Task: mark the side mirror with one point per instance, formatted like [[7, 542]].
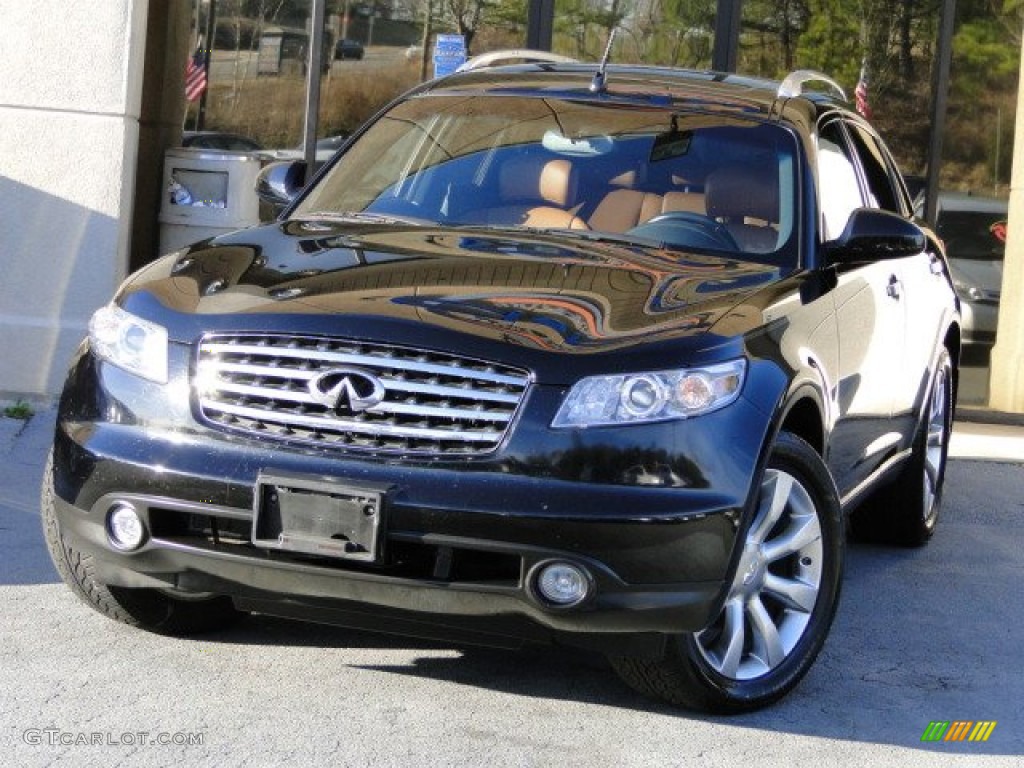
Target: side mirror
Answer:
[[279, 183], [874, 235]]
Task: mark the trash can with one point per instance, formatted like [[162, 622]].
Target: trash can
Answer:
[[206, 193]]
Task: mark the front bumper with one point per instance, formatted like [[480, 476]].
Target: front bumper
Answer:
[[980, 319], [462, 541]]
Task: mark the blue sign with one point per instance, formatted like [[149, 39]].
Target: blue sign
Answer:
[[449, 54]]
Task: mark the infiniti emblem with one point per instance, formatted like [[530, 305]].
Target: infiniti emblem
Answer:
[[346, 388]]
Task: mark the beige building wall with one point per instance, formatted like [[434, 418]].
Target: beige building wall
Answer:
[[69, 135], [1006, 383]]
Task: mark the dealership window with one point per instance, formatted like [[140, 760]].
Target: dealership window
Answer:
[[256, 87]]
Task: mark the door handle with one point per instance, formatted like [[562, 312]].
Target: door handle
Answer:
[[892, 290]]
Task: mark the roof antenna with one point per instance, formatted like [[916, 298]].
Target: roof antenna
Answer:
[[597, 84]]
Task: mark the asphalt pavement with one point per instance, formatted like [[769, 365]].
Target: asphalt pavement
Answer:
[[922, 635]]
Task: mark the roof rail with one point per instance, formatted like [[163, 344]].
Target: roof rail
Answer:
[[527, 55], [793, 85]]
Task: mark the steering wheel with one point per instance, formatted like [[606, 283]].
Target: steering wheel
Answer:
[[688, 228]]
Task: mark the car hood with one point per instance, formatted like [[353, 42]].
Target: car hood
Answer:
[[552, 292]]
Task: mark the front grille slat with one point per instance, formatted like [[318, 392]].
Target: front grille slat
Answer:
[[270, 393], [432, 403], [451, 392], [259, 370], [455, 414], [366, 361], [302, 377], [368, 428]]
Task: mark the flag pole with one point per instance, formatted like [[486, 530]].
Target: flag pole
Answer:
[[211, 22], [940, 95], [195, 80], [860, 93], [197, 41]]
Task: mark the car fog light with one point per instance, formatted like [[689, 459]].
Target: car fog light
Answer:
[[124, 527], [563, 584]]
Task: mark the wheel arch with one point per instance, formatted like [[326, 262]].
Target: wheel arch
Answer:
[[800, 410], [803, 416], [952, 342]]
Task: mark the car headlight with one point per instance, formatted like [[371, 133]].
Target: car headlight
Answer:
[[633, 398], [968, 291], [129, 342]]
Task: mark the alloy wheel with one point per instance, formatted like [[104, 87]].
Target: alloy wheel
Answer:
[[935, 444], [775, 587]]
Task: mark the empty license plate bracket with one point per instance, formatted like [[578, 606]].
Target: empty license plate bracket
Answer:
[[319, 516]]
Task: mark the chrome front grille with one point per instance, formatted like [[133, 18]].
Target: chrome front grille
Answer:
[[355, 395]]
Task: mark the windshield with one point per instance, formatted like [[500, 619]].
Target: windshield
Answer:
[[682, 180]]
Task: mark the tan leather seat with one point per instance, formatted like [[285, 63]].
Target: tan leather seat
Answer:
[[536, 180], [546, 217], [746, 201], [690, 202], [533, 194], [623, 209]]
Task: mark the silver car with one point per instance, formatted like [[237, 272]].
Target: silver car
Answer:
[[974, 230]]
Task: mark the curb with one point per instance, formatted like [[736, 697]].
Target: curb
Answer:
[[980, 415]]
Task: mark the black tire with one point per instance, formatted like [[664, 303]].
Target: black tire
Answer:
[[780, 605], [907, 511], [149, 609]]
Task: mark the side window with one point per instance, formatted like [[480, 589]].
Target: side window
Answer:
[[838, 188], [877, 172]]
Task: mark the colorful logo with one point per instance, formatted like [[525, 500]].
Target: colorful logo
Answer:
[[958, 730], [998, 231]]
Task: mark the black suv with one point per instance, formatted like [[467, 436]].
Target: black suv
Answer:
[[549, 353]]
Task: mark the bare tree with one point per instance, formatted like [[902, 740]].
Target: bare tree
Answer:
[[468, 15]]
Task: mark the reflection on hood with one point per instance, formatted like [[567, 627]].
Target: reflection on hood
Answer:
[[536, 290]]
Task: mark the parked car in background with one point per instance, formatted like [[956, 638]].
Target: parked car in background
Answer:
[[974, 231], [231, 142], [325, 149], [916, 187], [327, 146], [603, 356], [346, 48]]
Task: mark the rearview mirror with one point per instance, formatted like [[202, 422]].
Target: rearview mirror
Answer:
[[671, 144], [279, 183], [873, 235]]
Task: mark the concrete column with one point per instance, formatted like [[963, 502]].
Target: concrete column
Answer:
[[69, 134], [1006, 381], [727, 35], [540, 24], [168, 46]]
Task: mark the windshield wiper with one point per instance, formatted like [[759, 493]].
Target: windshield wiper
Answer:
[[377, 218]]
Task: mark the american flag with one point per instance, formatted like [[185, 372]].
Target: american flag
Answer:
[[195, 74], [861, 93]]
